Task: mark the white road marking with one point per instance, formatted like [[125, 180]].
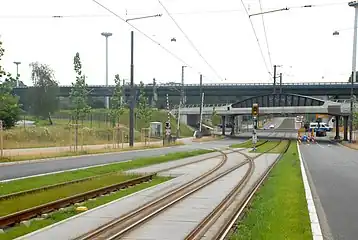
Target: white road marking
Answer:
[[315, 225]]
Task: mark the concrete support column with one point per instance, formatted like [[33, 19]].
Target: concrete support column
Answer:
[[337, 137], [232, 122], [345, 135], [223, 122]]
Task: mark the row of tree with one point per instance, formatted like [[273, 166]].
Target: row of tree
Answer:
[[42, 100]]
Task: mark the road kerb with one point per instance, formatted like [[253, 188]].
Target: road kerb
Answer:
[[315, 224]]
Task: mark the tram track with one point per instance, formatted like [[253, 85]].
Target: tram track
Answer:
[[27, 214], [210, 219], [135, 219]]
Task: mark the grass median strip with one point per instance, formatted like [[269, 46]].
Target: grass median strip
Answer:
[[35, 199], [36, 182], [279, 209], [246, 144], [21, 229]]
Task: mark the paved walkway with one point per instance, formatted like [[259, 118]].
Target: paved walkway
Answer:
[[334, 181], [51, 150]]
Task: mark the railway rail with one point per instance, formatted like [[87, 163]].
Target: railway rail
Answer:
[[210, 219], [127, 223], [11, 219]]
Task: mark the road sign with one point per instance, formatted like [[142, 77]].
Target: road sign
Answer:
[[167, 132]]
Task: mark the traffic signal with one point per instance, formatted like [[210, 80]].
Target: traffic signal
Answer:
[[255, 109], [255, 122], [167, 125]]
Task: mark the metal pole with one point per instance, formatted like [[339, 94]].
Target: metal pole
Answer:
[[1, 139], [354, 75], [132, 101], [280, 82], [107, 97], [201, 103], [182, 85], [201, 112], [274, 79]]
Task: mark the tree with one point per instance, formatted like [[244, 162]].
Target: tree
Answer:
[[9, 104], [117, 107], [43, 97], [79, 92], [215, 119], [144, 110]]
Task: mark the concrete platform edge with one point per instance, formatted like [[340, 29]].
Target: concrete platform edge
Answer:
[[315, 224], [81, 214]]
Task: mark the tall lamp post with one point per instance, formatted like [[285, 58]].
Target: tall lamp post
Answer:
[[107, 34], [354, 62], [17, 73]]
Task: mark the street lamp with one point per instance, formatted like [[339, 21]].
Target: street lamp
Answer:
[[354, 62], [17, 73], [107, 34]]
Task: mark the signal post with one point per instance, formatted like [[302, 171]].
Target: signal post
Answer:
[[255, 116]]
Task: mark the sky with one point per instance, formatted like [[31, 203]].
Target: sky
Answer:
[[222, 45]]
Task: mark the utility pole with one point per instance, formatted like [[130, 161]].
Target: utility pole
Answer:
[[274, 79], [132, 96], [167, 124], [155, 94], [354, 64], [181, 101], [201, 102], [201, 112], [107, 34], [17, 73], [280, 83]]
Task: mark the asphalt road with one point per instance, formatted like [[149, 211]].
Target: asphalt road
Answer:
[[334, 173], [29, 169], [287, 123]]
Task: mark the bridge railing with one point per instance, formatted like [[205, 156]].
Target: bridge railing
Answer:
[[224, 84]]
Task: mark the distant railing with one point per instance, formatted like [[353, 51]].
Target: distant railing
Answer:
[[223, 85]]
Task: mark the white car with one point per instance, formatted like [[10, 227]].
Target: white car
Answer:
[[271, 126]]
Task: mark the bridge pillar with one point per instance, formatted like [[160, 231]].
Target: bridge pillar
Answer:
[[337, 137], [345, 135], [223, 123]]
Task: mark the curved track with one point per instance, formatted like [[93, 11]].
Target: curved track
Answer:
[[125, 224]]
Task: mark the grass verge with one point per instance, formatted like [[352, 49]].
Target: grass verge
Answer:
[[279, 208], [246, 144], [80, 153], [21, 229], [36, 182], [208, 139], [27, 201]]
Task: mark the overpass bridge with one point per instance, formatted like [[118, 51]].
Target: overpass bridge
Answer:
[[270, 104], [218, 93]]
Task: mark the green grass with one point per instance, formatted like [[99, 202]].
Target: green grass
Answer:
[[246, 144], [35, 199], [280, 148], [21, 229], [36, 182], [97, 129], [279, 209]]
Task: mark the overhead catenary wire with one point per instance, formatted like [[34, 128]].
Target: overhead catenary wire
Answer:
[[257, 39], [191, 42], [267, 43], [144, 34]]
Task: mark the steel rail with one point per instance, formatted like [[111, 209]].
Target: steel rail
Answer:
[[212, 217], [40, 189], [225, 229], [26, 214], [130, 217]]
